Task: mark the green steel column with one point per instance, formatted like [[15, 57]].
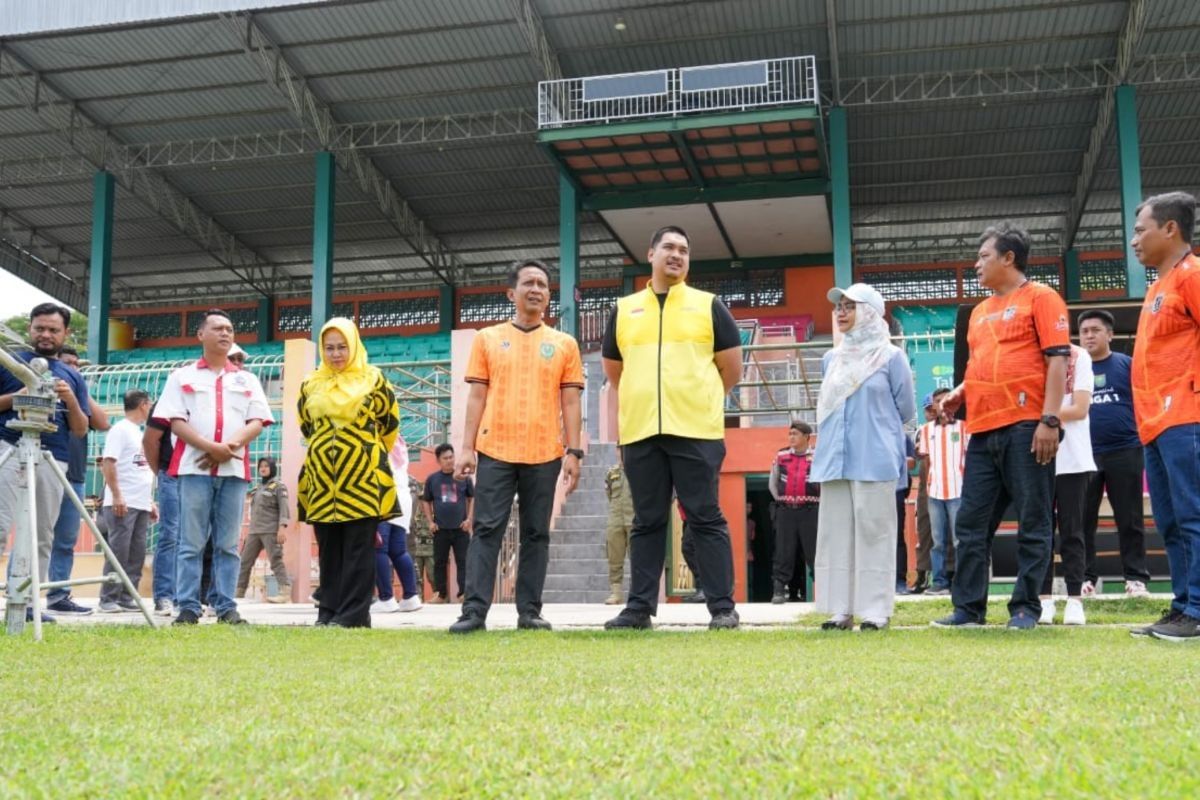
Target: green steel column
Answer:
[[1131, 184], [627, 284], [1074, 281], [445, 308], [323, 221], [568, 260], [266, 330], [839, 171], [100, 267]]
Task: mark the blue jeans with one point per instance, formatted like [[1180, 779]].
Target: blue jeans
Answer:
[[942, 514], [1001, 469], [391, 550], [62, 552], [1173, 472], [167, 544], [205, 501]]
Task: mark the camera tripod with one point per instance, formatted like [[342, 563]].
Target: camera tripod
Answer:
[[35, 410]]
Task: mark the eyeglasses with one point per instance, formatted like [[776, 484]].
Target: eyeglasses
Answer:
[[844, 308]]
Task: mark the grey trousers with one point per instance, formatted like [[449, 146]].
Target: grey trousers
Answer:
[[254, 544], [126, 537], [49, 500], [855, 570]]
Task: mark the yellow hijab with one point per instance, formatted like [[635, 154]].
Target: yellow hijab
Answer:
[[339, 395]]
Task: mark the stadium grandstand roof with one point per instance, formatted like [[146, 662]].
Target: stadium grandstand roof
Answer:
[[959, 111]]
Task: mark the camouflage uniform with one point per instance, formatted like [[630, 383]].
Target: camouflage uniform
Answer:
[[620, 524], [420, 538]]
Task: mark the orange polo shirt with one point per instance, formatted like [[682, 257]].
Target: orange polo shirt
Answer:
[[525, 372], [1166, 353], [1008, 339]]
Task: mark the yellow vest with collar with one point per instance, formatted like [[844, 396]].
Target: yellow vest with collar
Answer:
[[669, 382]]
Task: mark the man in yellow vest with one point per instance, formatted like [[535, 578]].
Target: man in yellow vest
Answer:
[[672, 353]]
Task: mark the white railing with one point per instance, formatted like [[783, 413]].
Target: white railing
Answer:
[[676, 92]]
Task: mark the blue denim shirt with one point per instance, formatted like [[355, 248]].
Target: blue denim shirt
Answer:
[[864, 440]]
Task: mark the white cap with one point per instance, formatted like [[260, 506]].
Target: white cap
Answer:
[[859, 293], [235, 350]]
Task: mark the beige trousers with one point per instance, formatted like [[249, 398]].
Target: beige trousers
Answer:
[[855, 569]]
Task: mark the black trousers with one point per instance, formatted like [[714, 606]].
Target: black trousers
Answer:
[[496, 484], [347, 559], [901, 545], [445, 541], [795, 532], [658, 467], [1120, 473], [1070, 500]]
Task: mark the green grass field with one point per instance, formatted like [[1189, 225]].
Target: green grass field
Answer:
[[276, 712]]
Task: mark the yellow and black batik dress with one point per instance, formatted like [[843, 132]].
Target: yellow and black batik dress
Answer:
[[346, 475]]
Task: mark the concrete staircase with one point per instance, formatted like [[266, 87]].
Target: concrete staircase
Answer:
[[578, 570]]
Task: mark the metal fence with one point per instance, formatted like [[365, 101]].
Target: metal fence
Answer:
[[738, 86]]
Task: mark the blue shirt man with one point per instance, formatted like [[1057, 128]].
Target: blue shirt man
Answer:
[[48, 326], [1118, 454]]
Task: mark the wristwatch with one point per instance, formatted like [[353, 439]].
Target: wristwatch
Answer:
[[575, 451], [1051, 421]]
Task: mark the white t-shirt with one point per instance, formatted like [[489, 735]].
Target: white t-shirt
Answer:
[[123, 445], [1075, 450]]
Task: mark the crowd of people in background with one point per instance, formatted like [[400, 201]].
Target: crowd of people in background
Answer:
[[1038, 431]]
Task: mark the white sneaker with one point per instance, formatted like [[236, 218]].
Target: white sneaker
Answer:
[[1136, 589], [1073, 613], [109, 607], [1089, 589], [389, 606], [164, 608], [411, 603], [1049, 609], [208, 611]]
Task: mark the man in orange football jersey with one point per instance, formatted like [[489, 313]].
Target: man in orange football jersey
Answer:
[[1166, 399], [1019, 340]]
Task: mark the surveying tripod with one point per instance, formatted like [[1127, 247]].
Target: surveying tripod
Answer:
[[35, 409]]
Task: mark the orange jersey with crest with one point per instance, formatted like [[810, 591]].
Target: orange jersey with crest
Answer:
[[1008, 339], [1166, 353]]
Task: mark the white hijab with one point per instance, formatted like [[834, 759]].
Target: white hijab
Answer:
[[865, 349]]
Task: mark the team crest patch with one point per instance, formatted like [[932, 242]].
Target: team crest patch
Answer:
[[504, 345], [1062, 323], [955, 436], [239, 379], [1099, 381], [1009, 313], [1156, 306], [547, 351]]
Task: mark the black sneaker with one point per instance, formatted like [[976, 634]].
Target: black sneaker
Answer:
[[187, 617], [68, 607], [231, 617], [46, 618], [1169, 616], [629, 620], [1183, 629], [873, 626], [724, 621], [1021, 622], [532, 622], [958, 619], [696, 597], [129, 605], [469, 623], [779, 596], [844, 624]]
